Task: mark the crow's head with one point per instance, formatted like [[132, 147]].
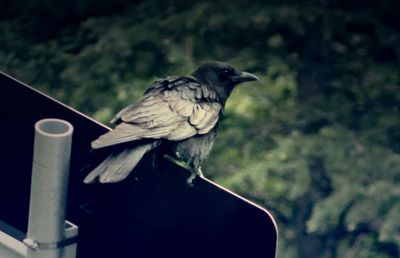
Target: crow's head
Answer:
[[221, 76]]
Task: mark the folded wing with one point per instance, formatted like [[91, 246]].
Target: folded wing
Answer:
[[175, 108]]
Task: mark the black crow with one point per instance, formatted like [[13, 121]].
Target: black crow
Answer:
[[177, 113]]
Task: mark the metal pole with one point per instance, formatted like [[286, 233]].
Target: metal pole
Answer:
[[50, 171]]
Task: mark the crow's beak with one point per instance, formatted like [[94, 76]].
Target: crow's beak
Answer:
[[244, 77]]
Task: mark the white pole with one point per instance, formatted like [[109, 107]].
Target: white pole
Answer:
[[49, 184]]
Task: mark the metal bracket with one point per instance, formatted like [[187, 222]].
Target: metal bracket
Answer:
[[49, 246]]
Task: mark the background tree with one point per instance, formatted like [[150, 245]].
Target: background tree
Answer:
[[317, 141]]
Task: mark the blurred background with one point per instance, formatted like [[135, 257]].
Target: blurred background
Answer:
[[316, 141]]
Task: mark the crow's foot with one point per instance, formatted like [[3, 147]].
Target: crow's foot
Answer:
[[194, 172]]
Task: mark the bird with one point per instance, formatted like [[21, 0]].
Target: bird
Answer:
[[177, 114]]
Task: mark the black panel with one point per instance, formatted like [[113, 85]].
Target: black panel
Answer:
[[152, 213]]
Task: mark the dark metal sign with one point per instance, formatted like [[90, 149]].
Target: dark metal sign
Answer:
[[153, 213]]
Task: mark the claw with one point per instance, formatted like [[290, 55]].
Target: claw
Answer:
[[194, 172], [179, 162]]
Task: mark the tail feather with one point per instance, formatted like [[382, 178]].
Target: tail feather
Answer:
[[118, 165]]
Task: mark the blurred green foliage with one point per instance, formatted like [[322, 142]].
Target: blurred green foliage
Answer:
[[317, 141]]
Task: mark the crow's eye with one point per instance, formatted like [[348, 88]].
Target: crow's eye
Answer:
[[225, 73]]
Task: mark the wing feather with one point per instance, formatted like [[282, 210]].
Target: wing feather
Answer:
[[210, 120], [183, 131], [175, 109]]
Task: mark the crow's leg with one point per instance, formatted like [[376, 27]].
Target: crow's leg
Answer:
[[194, 173]]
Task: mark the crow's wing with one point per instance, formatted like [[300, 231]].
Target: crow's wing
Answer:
[[174, 108]]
